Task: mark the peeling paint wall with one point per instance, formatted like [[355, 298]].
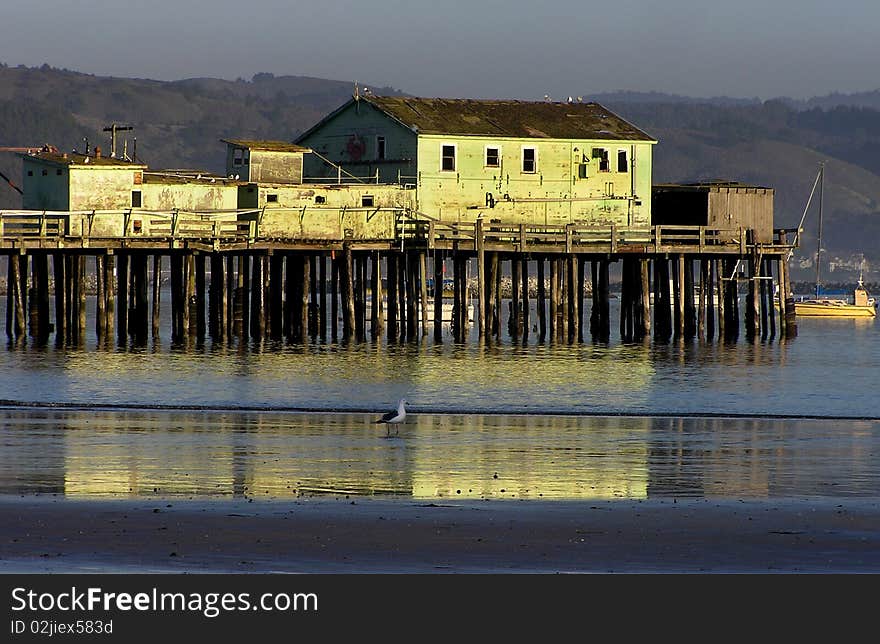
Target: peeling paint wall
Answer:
[[359, 211], [535, 180], [189, 196]]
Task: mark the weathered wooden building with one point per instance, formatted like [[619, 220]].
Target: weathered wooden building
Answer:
[[507, 161], [70, 181]]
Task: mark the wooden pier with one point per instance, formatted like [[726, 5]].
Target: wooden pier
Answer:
[[230, 280]]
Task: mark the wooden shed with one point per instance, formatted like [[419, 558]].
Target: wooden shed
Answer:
[[719, 204]]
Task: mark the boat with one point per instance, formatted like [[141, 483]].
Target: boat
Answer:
[[859, 305]]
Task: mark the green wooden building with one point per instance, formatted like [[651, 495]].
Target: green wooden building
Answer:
[[503, 160]]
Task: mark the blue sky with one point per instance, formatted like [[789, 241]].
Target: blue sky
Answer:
[[477, 48]]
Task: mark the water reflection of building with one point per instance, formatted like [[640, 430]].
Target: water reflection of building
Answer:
[[285, 455]]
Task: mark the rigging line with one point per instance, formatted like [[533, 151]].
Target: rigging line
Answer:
[[806, 208], [338, 167]]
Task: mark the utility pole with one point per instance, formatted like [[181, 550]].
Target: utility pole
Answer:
[[113, 128]]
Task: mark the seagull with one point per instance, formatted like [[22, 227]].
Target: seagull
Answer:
[[394, 417]]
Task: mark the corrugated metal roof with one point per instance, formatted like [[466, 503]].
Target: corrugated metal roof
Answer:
[[507, 118], [269, 146]]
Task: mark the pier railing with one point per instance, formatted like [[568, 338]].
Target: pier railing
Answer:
[[369, 227]]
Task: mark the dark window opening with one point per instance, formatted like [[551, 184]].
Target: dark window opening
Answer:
[[602, 155], [58, 172], [367, 201], [272, 198], [380, 147], [582, 170], [528, 160], [320, 199], [448, 158], [45, 172], [622, 165], [237, 156], [30, 173], [492, 158], [135, 198]]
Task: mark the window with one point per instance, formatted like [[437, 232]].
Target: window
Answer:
[[237, 156], [582, 170], [135, 198], [493, 157], [602, 155], [58, 172], [447, 158], [30, 173], [380, 147], [622, 165], [271, 198], [45, 172], [367, 201], [529, 160], [320, 199]]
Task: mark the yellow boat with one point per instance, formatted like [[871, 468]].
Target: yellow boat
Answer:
[[862, 306]]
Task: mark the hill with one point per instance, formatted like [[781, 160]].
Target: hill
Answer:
[[777, 143]]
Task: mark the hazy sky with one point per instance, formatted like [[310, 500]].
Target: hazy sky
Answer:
[[467, 48]]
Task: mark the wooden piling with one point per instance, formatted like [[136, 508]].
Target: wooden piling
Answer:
[[122, 264], [19, 299], [347, 276], [157, 296], [524, 294], [110, 292], [541, 296], [438, 297], [492, 296], [513, 322], [554, 300], [392, 317]]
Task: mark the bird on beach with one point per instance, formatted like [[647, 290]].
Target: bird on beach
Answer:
[[394, 417]]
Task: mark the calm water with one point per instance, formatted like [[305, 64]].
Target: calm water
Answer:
[[798, 418]]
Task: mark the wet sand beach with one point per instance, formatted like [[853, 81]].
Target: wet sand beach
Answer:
[[47, 533]]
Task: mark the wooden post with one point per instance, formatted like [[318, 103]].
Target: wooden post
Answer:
[[200, 281], [701, 308], [110, 289], [348, 293], [722, 296], [438, 296], [392, 317], [305, 298], [322, 296], [678, 288], [81, 297], [456, 297], [258, 297], [513, 320], [480, 241], [645, 277], [554, 300], [574, 300], [41, 274], [492, 296], [22, 293], [524, 275], [402, 309], [541, 295], [14, 285], [223, 302], [710, 299], [412, 317], [157, 295], [58, 266], [190, 314], [229, 296], [314, 303], [100, 297], [10, 298], [689, 325], [122, 290], [423, 290]]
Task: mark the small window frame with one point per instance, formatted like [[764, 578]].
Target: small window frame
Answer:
[[368, 201], [444, 156], [622, 160], [529, 166], [272, 197], [497, 155], [381, 148], [137, 199]]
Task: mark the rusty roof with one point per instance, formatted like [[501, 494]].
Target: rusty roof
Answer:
[[508, 118], [73, 158], [269, 146]]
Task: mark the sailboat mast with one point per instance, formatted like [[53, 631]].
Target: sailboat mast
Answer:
[[819, 235]]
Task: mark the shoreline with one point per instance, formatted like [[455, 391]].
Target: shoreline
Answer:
[[54, 534]]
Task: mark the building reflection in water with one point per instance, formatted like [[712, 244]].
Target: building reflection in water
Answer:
[[96, 453]]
